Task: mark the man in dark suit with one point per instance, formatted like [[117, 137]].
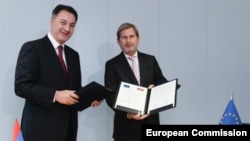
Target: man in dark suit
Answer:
[[127, 126], [49, 113]]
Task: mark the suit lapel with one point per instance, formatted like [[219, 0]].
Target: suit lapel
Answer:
[[54, 57], [142, 67]]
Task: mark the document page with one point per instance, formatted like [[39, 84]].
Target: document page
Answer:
[[163, 95], [131, 96]]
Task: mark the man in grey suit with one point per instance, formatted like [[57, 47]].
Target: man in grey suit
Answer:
[[49, 112], [127, 126]]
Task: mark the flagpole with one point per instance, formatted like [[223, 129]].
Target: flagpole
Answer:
[[232, 96]]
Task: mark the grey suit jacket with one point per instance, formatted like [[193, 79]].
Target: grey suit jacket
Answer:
[[38, 75]]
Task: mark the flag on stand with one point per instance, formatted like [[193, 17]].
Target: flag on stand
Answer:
[[17, 133], [231, 115]]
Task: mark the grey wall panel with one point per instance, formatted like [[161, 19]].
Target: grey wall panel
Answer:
[[228, 56], [182, 41]]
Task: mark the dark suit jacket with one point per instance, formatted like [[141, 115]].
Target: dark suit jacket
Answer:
[[38, 75], [117, 69]]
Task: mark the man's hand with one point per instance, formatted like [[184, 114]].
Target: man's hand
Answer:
[[66, 97], [136, 116], [96, 103]]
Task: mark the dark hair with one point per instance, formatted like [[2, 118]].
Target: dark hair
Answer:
[[61, 7], [126, 26]]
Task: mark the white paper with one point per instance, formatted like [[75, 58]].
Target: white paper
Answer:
[[162, 95], [132, 96]]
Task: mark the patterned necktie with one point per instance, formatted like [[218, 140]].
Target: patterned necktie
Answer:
[[60, 55], [135, 69]]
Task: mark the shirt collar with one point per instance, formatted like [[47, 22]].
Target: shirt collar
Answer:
[[53, 41], [135, 55]]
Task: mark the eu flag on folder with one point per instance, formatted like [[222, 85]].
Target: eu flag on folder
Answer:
[[230, 115]]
